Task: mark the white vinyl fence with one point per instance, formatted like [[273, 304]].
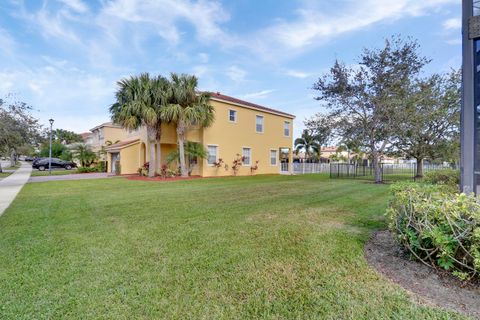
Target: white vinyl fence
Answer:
[[303, 168]]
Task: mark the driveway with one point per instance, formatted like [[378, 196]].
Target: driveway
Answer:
[[80, 176], [11, 185]]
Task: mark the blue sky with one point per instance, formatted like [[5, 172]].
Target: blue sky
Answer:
[[64, 56]]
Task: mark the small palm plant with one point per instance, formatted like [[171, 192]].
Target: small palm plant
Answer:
[[84, 154], [193, 150], [186, 107]]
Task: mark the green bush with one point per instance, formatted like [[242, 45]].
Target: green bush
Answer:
[[118, 169], [87, 169], [101, 166], [438, 227], [448, 177]]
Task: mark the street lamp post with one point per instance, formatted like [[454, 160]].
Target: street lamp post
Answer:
[[50, 150]]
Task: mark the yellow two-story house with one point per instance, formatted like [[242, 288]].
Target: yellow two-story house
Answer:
[[260, 136]]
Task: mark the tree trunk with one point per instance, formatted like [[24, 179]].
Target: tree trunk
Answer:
[[13, 159], [181, 148], [419, 173], [152, 139], [158, 158], [377, 168]]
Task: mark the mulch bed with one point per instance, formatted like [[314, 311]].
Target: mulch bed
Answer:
[[429, 285], [160, 179]]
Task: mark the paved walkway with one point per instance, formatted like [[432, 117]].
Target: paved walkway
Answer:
[[79, 176], [11, 185]]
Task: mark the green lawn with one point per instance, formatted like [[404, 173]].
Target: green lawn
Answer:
[[61, 172], [4, 174], [270, 247]]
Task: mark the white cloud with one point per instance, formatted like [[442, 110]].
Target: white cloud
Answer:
[[236, 73], [315, 24], [163, 15], [297, 74], [452, 24], [76, 5], [258, 95]]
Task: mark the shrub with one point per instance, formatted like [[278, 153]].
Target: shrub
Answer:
[[448, 177], [101, 166], [87, 169], [438, 228]]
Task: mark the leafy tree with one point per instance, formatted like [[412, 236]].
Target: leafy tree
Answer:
[[193, 151], [429, 127], [140, 100], [364, 100], [17, 127], [308, 143], [59, 150], [84, 154], [186, 107], [65, 136]]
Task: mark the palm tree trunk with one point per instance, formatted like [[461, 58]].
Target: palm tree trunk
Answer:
[[152, 139], [158, 158], [181, 148]]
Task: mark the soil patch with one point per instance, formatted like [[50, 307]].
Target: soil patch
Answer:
[[430, 286]]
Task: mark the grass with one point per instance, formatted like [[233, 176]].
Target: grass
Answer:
[[4, 174], [269, 247], [61, 172]]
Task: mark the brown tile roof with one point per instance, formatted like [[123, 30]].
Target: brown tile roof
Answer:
[[122, 144], [219, 96]]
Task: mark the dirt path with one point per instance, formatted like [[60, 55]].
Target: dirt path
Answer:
[[428, 285]]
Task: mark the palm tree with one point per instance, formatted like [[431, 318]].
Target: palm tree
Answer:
[[186, 107], [309, 143], [139, 102]]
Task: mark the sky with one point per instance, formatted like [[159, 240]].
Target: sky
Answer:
[[64, 57]]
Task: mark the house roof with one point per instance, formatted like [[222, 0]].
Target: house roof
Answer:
[[221, 97], [106, 124], [329, 149], [85, 135], [121, 144]]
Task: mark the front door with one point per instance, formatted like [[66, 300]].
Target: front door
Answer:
[[115, 158], [284, 160]]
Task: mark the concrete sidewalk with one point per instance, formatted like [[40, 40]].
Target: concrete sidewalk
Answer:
[[11, 185]]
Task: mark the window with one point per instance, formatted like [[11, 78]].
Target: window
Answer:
[[286, 129], [259, 124], [232, 115], [212, 154], [273, 157], [246, 154]]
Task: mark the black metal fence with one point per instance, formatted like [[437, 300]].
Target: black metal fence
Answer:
[[389, 172]]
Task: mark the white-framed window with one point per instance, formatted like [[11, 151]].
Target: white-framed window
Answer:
[[247, 156], [286, 129], [212, 154], [259, 124], [232, 115], [273, 157]]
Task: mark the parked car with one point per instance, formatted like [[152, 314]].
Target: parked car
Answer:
[[28, 158], [42, 164]]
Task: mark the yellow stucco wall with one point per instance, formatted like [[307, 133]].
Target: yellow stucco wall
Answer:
[[231, 137], [130, 159]]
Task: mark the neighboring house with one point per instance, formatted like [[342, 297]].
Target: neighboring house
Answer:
[[104, 135], [240, 128]]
